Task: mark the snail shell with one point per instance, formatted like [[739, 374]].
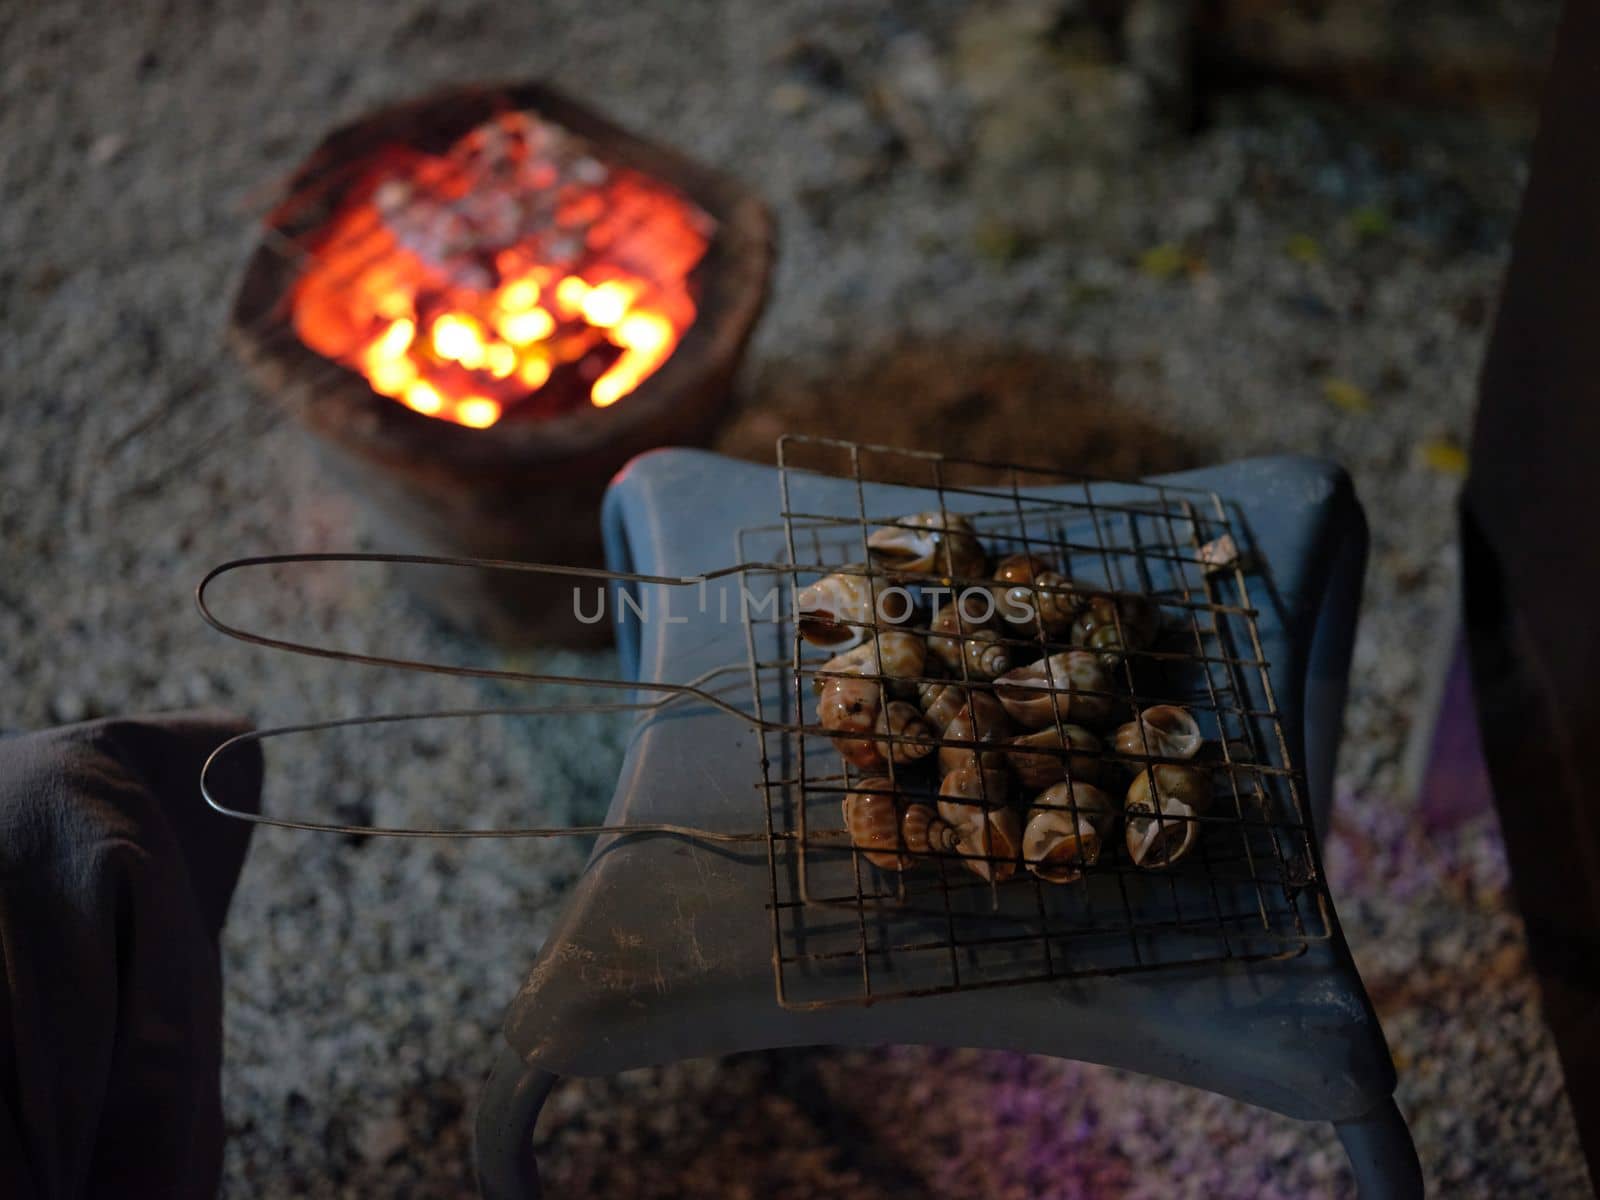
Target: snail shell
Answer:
[[1042, 758], [872, 819], [1185, 793], [941, 701], [1019, 568], [1161, 731], [967, 648], [1036, 595], [1096, 626], [924, 831], [1072, 685], [838, 610], [1066, 828], [980, 719], [896, 657], [904, 719], [988, 834], [929, 543], [850, 707]]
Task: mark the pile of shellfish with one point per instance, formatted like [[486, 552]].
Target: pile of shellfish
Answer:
[[978, 703]]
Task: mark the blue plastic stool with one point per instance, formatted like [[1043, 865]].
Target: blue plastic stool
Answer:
[[665, 949]]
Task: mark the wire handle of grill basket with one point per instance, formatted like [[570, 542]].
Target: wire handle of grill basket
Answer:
[[694, 689]]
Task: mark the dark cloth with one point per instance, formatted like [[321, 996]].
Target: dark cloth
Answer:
[[114, 881], [1531, 558]]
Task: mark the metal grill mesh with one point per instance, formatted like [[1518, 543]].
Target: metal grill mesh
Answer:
[[845, 932]]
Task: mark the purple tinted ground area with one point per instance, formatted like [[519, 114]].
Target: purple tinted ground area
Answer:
[[1455, 787]]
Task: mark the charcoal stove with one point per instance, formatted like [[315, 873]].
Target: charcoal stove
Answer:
[[723, 909], [479, 305]]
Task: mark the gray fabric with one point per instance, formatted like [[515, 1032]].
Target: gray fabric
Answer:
[[114, 881]]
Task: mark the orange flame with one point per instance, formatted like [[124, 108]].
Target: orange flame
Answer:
[[472, 336]]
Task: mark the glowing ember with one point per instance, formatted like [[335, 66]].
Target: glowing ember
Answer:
[[506, 277]]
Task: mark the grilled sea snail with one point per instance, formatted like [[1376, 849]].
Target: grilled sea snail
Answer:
[[1035, 594], [924, 831], [1065, 830], [967, 649], [988, 834], [941, 700], [894, 656], [1042, 758], [929, 543], [1070, 686], [980, 719], [1185, 793], [850, 708], [902, 719], [1111, 625], [872, 819], [838, 610], [1161, 731]]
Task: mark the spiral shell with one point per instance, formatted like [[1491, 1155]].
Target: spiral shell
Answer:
[[967, 648], [941, 701], [872, 819], [1161, 731], [1065, 831], [1185, 793], [838, 610], [904, 719], [988, 835], [980, 719], [850, 707], [924, 831], [929, 543], [1097, 625], [897, 657], [1041, 759], [1035, 594], [1070, 686]]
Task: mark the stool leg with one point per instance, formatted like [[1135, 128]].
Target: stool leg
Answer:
[[1382, 1155], [508, 1108]]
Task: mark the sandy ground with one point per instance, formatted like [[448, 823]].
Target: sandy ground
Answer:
[[1290, 277]]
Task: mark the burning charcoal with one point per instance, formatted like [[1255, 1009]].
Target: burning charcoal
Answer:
[[1065, 830], [475, 237]]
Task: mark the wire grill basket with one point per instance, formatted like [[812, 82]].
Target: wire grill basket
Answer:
[[846, 932]]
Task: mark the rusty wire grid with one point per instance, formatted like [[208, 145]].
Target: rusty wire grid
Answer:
[[847, 932]]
